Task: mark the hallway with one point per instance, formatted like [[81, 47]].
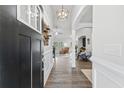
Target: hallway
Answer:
[[63, 76], [32, 35]]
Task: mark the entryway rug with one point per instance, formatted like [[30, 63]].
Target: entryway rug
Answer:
[[87, 73]]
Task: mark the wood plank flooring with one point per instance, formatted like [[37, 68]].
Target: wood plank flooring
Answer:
[[63, 76]]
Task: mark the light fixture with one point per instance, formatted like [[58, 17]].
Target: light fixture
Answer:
[[56, 33], [62, 14]]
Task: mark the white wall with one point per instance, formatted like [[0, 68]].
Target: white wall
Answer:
[[67, 44], [108, 46], [85, 32], [48, 59], [48, 17]]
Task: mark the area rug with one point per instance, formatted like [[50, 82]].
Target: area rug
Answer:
[[87, 73]]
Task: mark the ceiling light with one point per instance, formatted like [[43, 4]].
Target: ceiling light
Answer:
[[62, 14], [56, 33]]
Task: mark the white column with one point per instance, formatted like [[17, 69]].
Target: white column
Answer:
[[73, 49]]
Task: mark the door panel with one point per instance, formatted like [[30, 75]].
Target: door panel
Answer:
[[36, 63], [25, 61]]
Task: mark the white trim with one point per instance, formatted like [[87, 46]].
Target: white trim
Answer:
[[83, 25], [93, 76], [48, 73], [117, 47], [45, 52], [108, 77], [41, 16], [48, 64], [36, 17], [107, 64], [78, 14], [28, 24]]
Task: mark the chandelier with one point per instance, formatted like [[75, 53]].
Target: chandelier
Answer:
[[62, 14]]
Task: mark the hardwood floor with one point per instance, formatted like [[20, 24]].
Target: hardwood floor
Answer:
[[63, 76]]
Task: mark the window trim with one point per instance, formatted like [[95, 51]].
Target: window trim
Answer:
[[29, 24]]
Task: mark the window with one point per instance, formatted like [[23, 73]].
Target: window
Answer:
[[24, 13], [38, 18], [30, 15]]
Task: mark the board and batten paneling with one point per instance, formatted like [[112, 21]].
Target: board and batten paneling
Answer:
[[48, 60]]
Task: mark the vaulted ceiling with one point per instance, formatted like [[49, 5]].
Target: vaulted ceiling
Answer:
[[87, 16], [64, 28]]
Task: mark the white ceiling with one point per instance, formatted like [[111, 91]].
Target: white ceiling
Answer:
[[87, 16], [64, 28]]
